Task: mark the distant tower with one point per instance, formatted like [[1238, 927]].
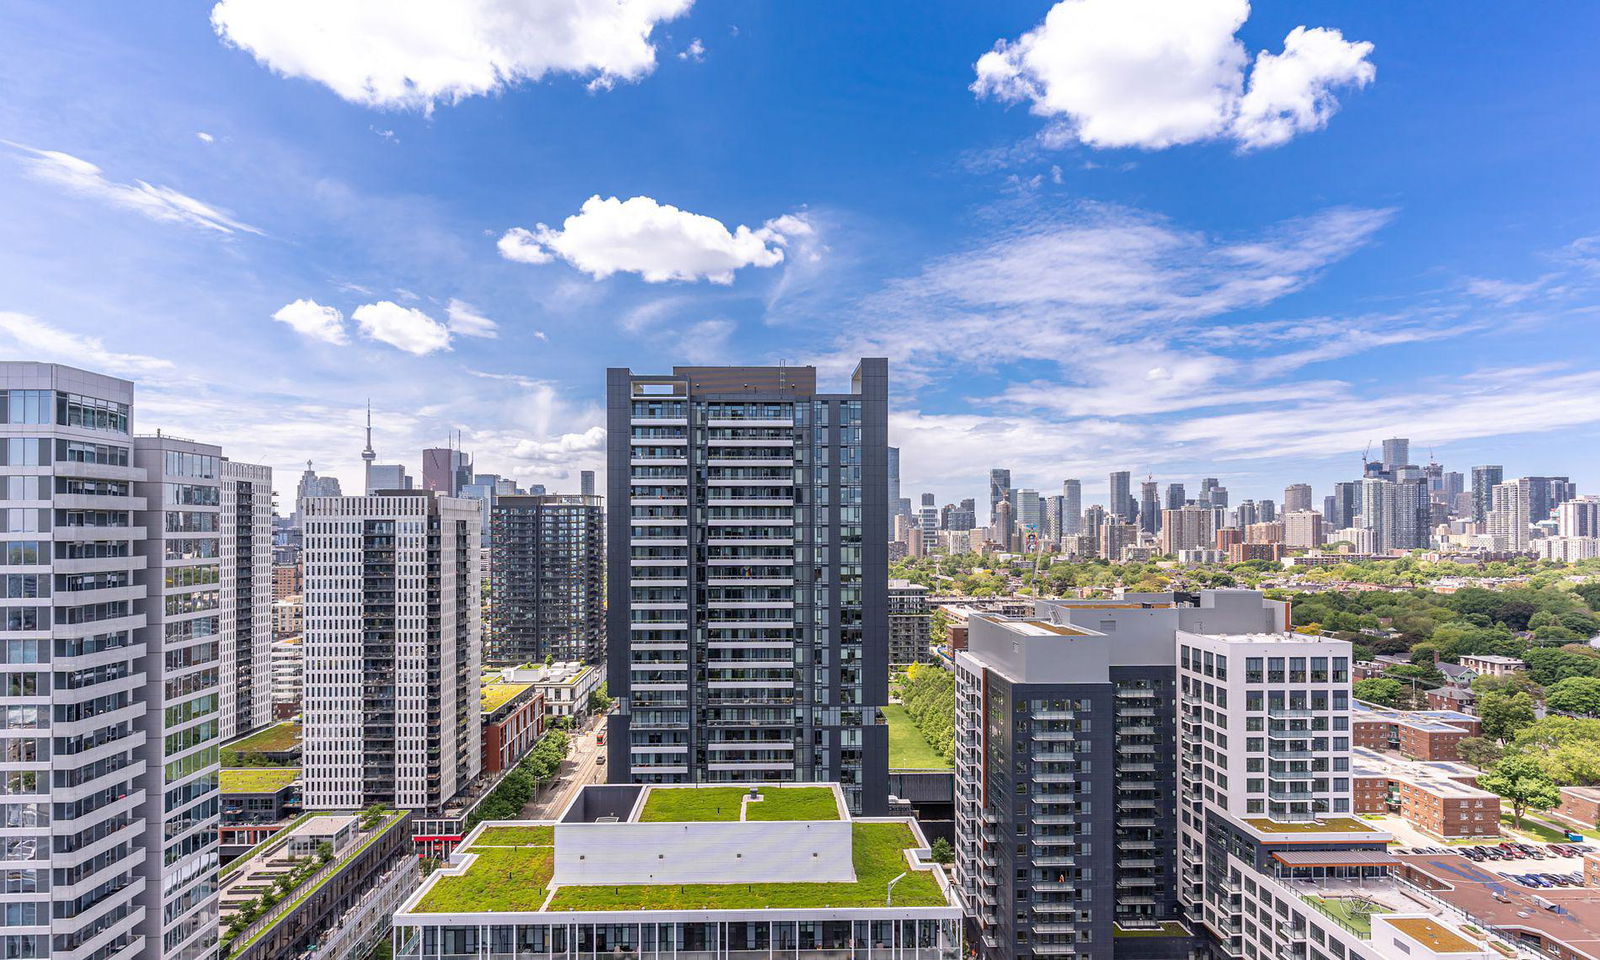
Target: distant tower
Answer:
[[367, 456]]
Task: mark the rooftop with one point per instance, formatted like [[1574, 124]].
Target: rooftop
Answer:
[[1325, 825], [257, 779], [701, 804], [497, 695], [1495, 901], [1433, 935], [278, 738]]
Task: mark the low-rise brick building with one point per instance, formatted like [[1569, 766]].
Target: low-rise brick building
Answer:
[[1437, 797], [1581, 805], [1419, 734]]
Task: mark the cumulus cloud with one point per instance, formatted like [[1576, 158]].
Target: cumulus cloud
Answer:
[[406, 328], [157, 202], [1160, 73], [311, 319], [467, 321], [53, 343], [657, 241], [412, 54], [695, 51]]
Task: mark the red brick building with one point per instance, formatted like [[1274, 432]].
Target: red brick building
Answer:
[[513, 721], [1581, 805]]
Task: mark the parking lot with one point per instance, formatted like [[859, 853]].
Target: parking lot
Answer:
[[1534, 865]]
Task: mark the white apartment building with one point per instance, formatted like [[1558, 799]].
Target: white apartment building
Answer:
[[393, 647], [1303, 528], [246, 635], [182, 574], [289, 671], [72, 754]]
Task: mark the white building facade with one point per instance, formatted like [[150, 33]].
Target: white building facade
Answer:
[[246, 635]]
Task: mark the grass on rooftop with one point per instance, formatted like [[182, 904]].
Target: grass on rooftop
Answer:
[[1168, 928], [497, 695], [257, 779], [543, 835], [908, 748], [1351, 913], [794, 803], [692, 804], [1325, 825], [878, 852], [274, 739], [501, 879], [1435, 936]]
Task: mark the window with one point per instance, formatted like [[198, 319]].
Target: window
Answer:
[[25, 406]]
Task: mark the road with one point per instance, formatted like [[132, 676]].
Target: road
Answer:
[[577, 771]]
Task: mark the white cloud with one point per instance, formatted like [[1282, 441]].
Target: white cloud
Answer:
[[1160, 73], [53, 343], [657, 241], [408, 329], [1292, 92], [156, 202], [311, 319], [204, 137], [411, 54], [695, 51], [466, 321]]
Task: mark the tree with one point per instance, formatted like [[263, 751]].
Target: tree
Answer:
[[1503, 714], [1575, 695], [1519, 680], [600, 699], [942, 852], [1481, 752], [1520, 780], [1381, 690]]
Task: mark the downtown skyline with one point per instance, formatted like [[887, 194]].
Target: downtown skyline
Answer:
[[1255, 311]]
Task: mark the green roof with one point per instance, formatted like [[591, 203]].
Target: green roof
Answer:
[[683, 804], [497, 695], [278, 738], [257, 779], [517, 878], [908, 748], [1325, 825]]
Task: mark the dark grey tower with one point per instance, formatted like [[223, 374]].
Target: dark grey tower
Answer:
[[747, 631], [546, 593]]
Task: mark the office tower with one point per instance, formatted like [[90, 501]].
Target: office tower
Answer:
[[1266, 511], [1451, 485], [1071, 507], [311, 485], [1117, 537], [181, 496], [1264, 717], [1052, 517], [761, 654], [1029, 507], [1396, 453], [928, 518], [1303, 528], [1545, 494], [1217, 496], [1345, 506], [393, 650], [1297, 496], [893, 471], [73, 606], [1186, 528], [1397, 513], [902, 508], [1245, 514], [1119, 501], [999, 488], [962, 516], [1483, 483], [1004, 530], [1207, 485], [245, 637], [585, 483], [1066, 773], [546, 592], [387, 476], [1149, 506], [1093, 519], [1519, 504], [1579, 518], [445, 469], [1176, 497]]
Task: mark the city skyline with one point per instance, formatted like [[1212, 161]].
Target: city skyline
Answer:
[[1249, 310]]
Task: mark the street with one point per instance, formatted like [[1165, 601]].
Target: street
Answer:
[[577, 771]]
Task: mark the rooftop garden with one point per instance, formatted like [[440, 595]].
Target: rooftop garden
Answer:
[[501, 879], [251, 750], [257, 779], [497, 695], [701, 804], [540, 835], [1352, 913], [1325, 825], [878, 850], [1166, 928], [908, 748]]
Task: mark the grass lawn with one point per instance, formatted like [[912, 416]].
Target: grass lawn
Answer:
[[500, 879], [1168, 928], [1347, 910], [1533, 830], [877, 851], [1325, 825], [530, 836], [274, 739], [256, 779], [497, 695], [684, 804], [794, 803], [908, 748]]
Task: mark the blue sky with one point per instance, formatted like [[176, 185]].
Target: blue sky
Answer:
[[1185, 239]]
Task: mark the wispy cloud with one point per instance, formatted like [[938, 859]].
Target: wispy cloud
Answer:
[[43, 341], [161, 203]]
